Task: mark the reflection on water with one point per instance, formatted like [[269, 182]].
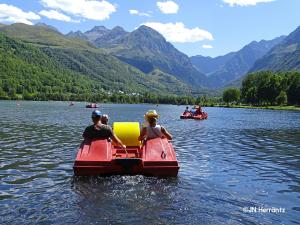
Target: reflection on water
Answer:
[[237, 158]]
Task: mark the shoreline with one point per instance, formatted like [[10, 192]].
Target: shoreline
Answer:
[[291, 108]]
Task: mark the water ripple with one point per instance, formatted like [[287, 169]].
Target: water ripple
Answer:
[[237, 158]]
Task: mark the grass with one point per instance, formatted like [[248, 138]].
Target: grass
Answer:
[[44, 36], [286, 107]]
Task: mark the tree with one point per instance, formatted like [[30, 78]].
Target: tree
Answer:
[[282, 98], [249, 89], [268, 87], [293, 91], [3, 95], [231, 95]]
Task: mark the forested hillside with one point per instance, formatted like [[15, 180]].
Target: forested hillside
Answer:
[[27, 72], [98, 70]]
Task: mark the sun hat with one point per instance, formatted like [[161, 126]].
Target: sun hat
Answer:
[[96, 113], [151, 113]]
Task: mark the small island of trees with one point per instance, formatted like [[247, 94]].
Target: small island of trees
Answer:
[[266, 88]]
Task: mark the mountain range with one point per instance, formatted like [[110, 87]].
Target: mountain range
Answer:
[[224, 69], [81, 57], [142, 60], [283, 57], [147, 50]]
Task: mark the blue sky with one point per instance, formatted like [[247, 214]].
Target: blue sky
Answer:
[[195, 27]]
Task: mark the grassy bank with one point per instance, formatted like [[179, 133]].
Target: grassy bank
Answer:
[[291, 107]]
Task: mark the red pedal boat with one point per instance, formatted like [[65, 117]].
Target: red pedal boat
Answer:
[[100, 157], [189, 115], [92, 105]]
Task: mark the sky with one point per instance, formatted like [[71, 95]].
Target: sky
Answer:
[[195, 27]]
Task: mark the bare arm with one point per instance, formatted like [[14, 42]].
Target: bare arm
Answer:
[[118, 141], [166, 133], [143, 134]]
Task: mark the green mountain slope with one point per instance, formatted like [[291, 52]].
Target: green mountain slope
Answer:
[[175, 85], [44, 36], [26, 70], [147, 50], [80, 57]]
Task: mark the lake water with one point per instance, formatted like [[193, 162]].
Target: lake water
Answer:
[[236, 162]]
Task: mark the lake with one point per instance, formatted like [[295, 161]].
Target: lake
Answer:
[[241, 166]]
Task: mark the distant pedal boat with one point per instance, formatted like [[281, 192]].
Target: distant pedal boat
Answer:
[[92, 105], [189, 115]]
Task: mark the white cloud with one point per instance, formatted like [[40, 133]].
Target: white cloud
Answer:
[[245, 2], [178, 33], [136, 12], [88, 9], [168, 7], [133, 11], [12, 14], [52, 14], [207, 46]]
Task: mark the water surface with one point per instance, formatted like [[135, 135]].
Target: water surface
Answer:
[[238, 158]]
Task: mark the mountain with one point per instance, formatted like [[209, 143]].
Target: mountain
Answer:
[[224, 69], [283, 57], [237, 83], [96, 32], [77, 34], [209, 65], [110, 38], [44, 36], [91, 35], [81, 58], [47, 26], [147, 50], [175, 85]]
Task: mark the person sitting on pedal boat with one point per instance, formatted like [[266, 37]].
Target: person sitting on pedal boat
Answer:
[[100, 131], [153, 130]]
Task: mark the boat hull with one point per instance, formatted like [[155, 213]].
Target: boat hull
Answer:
[[201, 116], [156, 158], [91, 107]]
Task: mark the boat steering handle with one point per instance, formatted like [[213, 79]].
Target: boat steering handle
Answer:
[[163, 155]]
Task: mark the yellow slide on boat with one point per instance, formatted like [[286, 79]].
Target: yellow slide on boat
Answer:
[[127, 132]]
